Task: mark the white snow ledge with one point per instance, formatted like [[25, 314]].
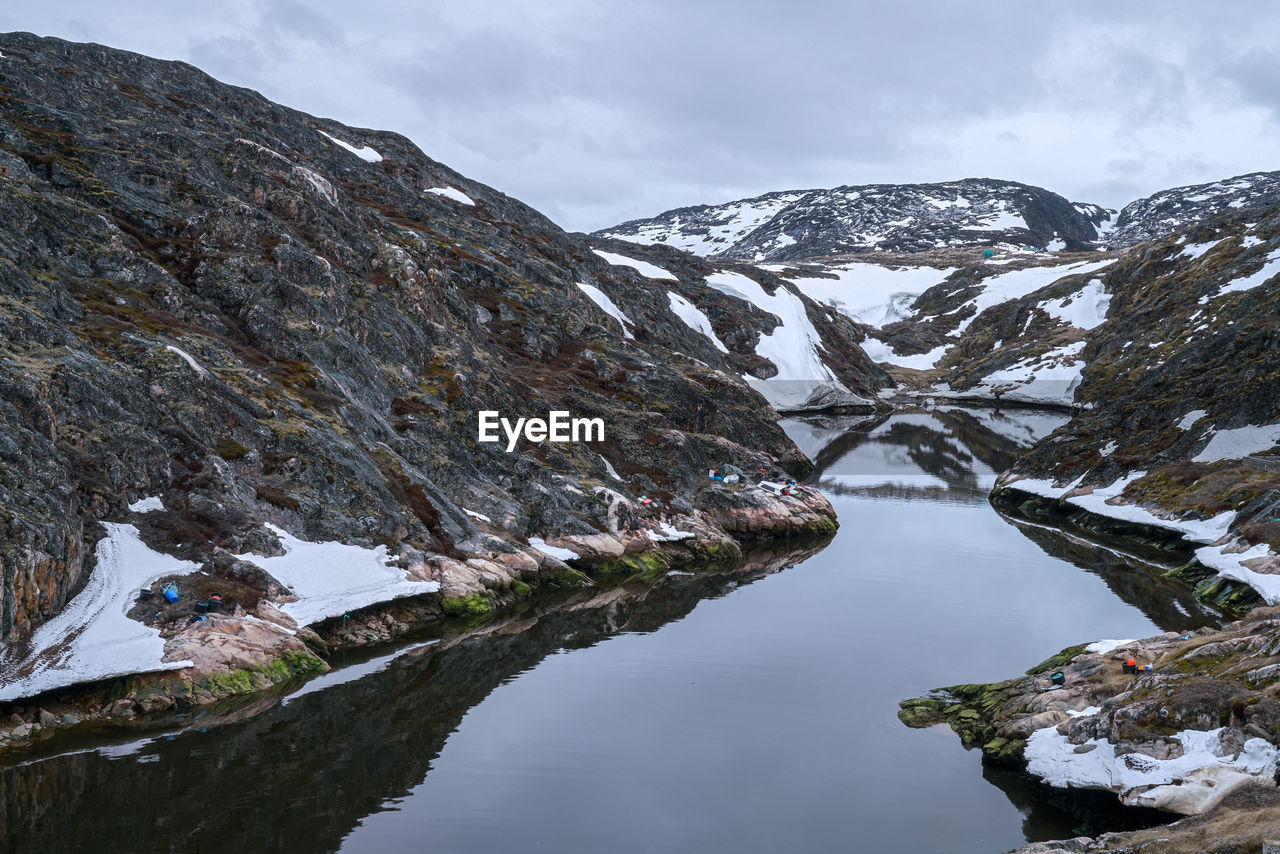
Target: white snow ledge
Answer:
[[91, 638], [333, 578]]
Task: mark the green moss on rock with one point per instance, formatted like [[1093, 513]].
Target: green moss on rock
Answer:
[[468, 607]]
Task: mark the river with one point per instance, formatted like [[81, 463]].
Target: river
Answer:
[[745, 709]]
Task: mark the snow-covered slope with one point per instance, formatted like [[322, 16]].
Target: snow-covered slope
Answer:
[[874, 217], [798, 352], [1172, 210], [920, 317]]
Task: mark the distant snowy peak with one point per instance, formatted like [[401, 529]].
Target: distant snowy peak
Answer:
[[1172, 210], [706, 229], [784, 226]]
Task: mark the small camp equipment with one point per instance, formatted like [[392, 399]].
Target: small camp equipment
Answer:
[[170, 592], [1058, 678]]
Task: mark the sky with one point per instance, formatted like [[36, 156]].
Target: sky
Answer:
[[596, 112]]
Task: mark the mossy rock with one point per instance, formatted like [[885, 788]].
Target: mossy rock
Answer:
[[1006, 751], [1057, 661], [468, 607], [920, 713]]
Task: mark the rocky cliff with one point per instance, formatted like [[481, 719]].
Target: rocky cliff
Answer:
[[796, 224], [234, 333]]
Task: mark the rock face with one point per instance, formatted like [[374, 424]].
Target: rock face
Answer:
[[256, 315], [873, 218], [1172, 210]]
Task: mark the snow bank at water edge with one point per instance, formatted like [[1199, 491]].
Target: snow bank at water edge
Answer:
[[1048, 379], [91, 638], [1202, 776], [1228, 560], [803, 380], [331, 579]]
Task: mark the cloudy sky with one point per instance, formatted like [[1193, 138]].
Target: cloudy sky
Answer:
[[596, 112]]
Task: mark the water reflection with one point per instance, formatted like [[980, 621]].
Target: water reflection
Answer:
[[299, 775], [758, 721], [939, 454]]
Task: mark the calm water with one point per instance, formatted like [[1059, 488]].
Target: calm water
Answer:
[[744, 710]]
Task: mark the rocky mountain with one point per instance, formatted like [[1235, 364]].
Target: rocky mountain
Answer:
[[796, 224], [245, 350], [1172, 210]]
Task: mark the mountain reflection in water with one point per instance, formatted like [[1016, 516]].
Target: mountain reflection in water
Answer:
[[740, 708]]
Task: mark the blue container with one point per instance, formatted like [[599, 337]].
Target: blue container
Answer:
[[170, 595]]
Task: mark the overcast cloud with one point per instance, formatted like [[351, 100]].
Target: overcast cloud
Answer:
[[597, 112]]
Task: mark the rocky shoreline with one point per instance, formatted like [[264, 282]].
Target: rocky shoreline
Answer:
[[1193, 732], [247, 653], [1230, 596]]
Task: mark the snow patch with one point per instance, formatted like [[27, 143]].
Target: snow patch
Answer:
[[792, 346], [146, 505], [609, 468], [333, 578], [1191, 418], [1239, 443], [1232, 566], [1188, 784], [650, 271], [1245, 283], [668, 534], [601, 299], [365, 153], [451, 193], [187, 357], [694, 319], [882, 352], [554, 551], [1109, 644], [1192, 251], [1085, 309], [870, 293], [91, 638]]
